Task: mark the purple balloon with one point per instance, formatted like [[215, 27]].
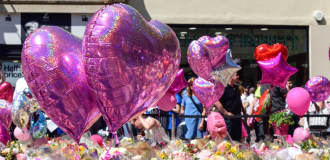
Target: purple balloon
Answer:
[[207, 92], [218, 47], [5, 113], [179, 83], [130, 63], [199, 59], [276, 71], [318, 88], [4, 134], [53, 67]]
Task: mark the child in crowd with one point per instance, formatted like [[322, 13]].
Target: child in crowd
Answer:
[[152, 129]]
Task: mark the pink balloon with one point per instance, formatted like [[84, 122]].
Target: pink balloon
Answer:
[[289, 139], [199, 59], [276, 71], [22, 135], [216, 125], [179, 83], [97, 139], [130, 63], [40, 141], [300, 135], [207, 92], [4, 134], [53, 67], [298, 100], [5, 113], [167, 102], [318, 88], [218, 47]]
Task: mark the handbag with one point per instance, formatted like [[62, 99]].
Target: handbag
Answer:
[[264, 104], [199, 110]]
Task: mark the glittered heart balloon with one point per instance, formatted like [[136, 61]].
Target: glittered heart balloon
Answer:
[[19, 112], [129, 63], [265, 52], [6, 91], [218, 47], [207, 92], [5, 113], [318, 88], [4, 134], [53, 67], [198, 56]]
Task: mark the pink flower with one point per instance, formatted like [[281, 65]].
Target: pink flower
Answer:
[[222, 146], [21, 156]]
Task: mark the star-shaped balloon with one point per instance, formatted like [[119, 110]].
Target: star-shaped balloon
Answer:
[[179, 83], [276, 71], [225, 71]]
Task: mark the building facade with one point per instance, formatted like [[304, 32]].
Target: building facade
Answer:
[[246, 24]]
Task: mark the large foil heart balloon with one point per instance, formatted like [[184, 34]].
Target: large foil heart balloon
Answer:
[[207, 92], [198, 56], [130, 63], [5, 113], [6, 91], [53, 67], [265, 52], [218, 47]]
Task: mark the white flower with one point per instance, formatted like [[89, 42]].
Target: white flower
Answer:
[[194, 142], [122, 150]]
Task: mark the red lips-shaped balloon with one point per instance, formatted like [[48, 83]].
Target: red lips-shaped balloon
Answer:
[[265, 52], [6, 91]]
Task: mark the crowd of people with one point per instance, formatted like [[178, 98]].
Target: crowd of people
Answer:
[[238, 99]]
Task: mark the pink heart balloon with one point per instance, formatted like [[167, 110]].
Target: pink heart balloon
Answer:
[[218, 47], [130, 63], [5, 113], [207, 92], [179, 83], [53, 67], [300, 135], [216, 125], [6, 91], [198, 56]]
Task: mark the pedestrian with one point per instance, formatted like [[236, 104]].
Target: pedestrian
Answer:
[[230, 104], [176, 111], [191, 106], [277, 105], [151, 127]]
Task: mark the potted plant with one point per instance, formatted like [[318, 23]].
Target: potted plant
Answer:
[[281, 122]]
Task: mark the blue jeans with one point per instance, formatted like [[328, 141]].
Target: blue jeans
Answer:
[[234, 128]]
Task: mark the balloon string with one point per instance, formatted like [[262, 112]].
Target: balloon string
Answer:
[[231, 141]]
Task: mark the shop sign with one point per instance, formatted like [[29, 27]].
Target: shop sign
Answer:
[[13, 72], [248, 40]]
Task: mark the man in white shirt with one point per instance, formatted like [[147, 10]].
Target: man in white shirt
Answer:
[[245, 94], [250, 99]]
